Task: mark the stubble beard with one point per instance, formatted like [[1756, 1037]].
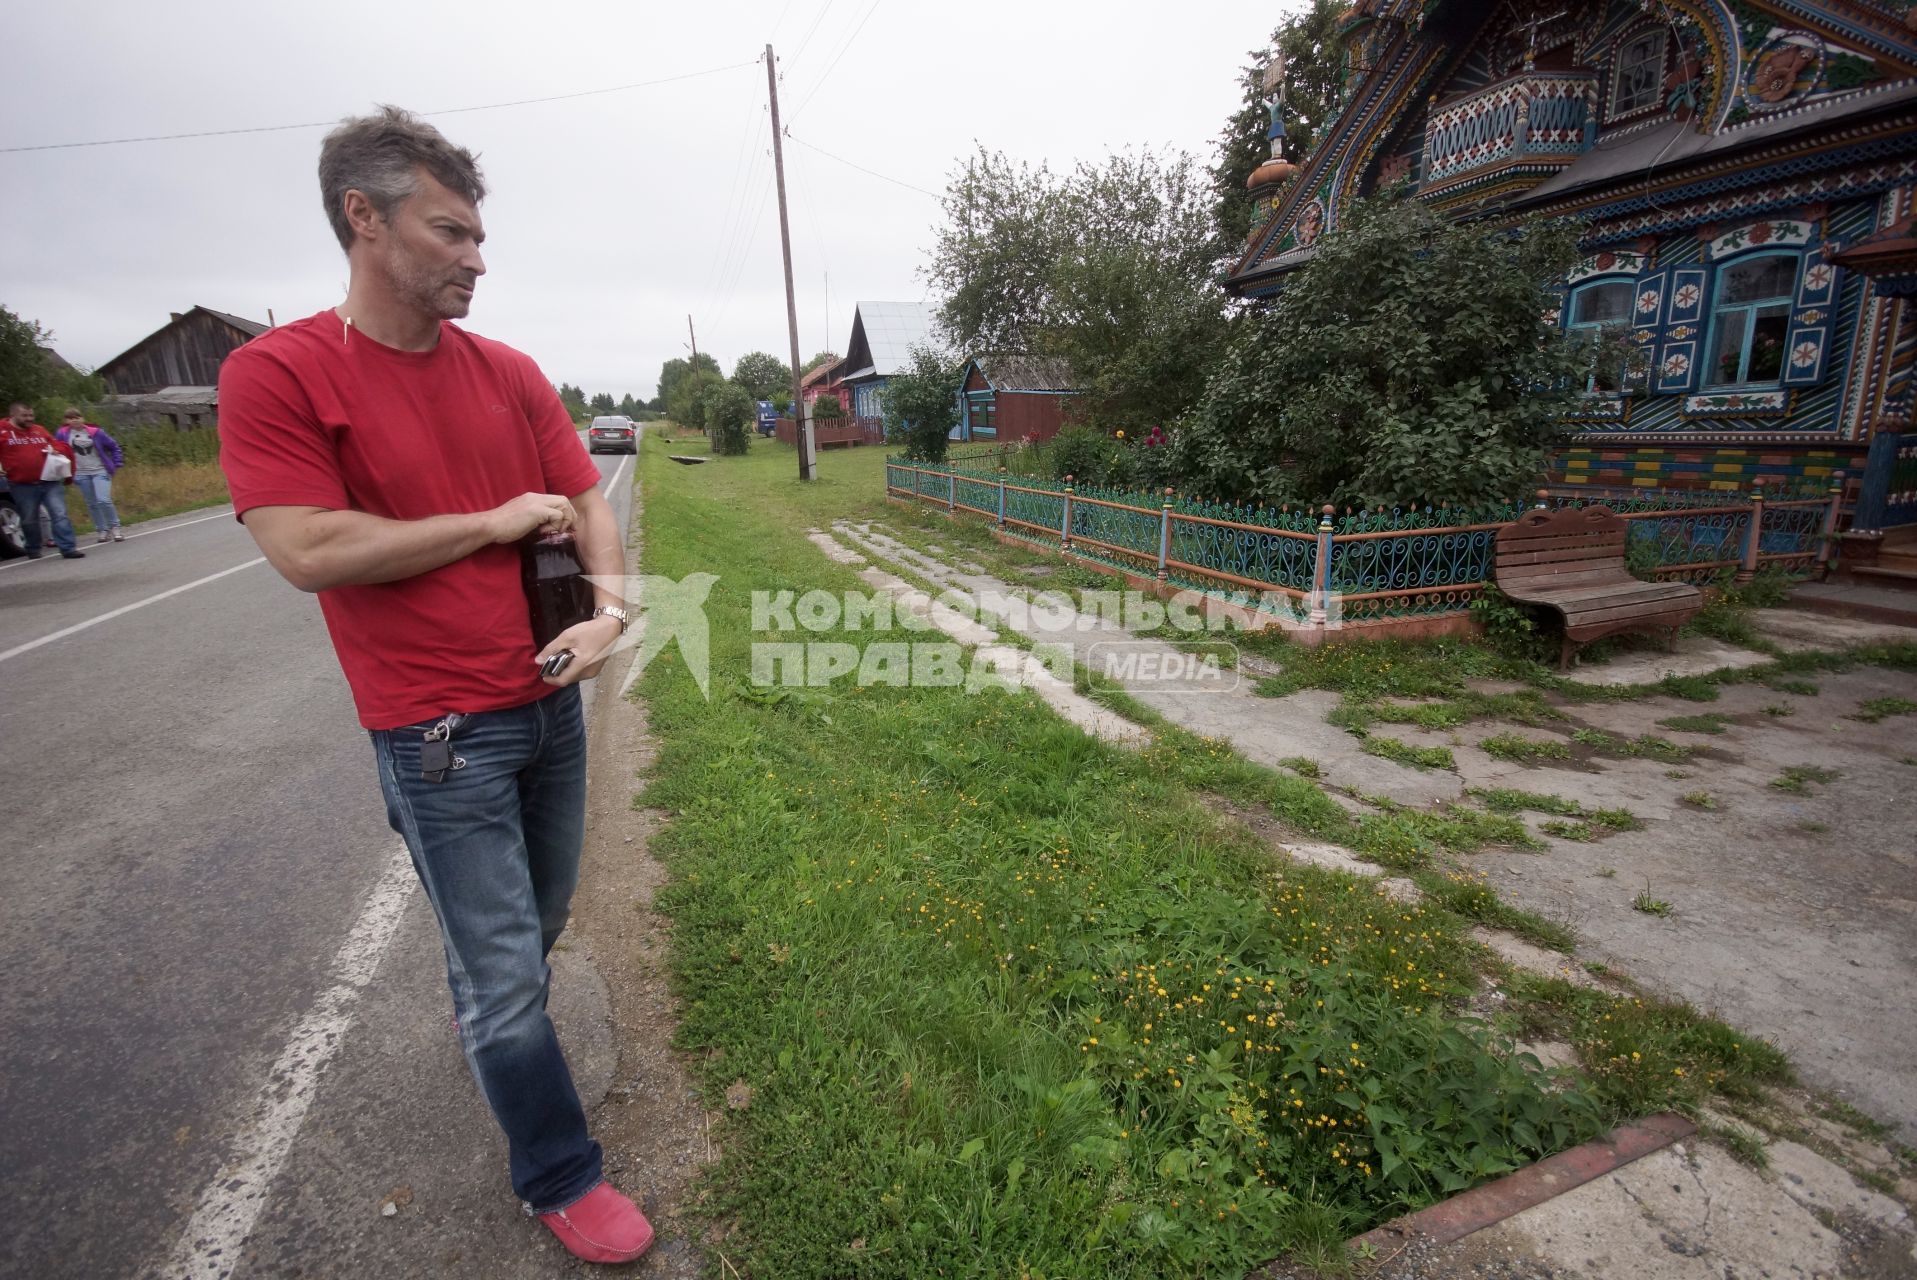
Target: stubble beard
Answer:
[[429, 292]]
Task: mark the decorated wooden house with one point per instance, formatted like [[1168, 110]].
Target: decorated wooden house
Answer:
[[1744, 173], [1013, 399]]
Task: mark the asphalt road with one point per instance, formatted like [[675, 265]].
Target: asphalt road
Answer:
[[224, 1002]]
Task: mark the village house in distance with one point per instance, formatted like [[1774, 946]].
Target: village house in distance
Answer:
[[1747, 174]]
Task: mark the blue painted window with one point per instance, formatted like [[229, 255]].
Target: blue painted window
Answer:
[[983, 414], [1598, 309], [866, 401], [1750, 315]]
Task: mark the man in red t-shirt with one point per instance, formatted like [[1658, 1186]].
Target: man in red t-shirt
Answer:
[[391, 461], [25, 446]]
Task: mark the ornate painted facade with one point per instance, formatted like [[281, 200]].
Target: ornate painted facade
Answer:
[[1744, 171]]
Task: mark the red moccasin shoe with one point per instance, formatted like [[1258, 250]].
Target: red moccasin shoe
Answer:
[[601, 1226]]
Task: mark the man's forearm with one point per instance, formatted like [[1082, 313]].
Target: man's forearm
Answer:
[[602, 551], [352, 548]]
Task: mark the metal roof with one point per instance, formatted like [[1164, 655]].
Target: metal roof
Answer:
[[883, 335]]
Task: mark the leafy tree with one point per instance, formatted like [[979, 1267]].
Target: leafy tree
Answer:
[[676, 370], [603, 403], [1314, 85], [630, 407], [26, 372], [1109, 269], [827, 409], [574, 399], [727, 410], [921, 404], [823, 357], [683, 405], [1411, 361], [763, 376]]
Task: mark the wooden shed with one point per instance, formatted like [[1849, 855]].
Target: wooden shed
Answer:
[[1012, 398], [186, 352]]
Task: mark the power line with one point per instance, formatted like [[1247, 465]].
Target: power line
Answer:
[[748, 243], [780, 22], [817, 19], [899, 182], [736, 190], [323, 124], [741, 234], [833, 65]]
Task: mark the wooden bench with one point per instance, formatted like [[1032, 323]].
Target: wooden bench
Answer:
[[1572, 560]]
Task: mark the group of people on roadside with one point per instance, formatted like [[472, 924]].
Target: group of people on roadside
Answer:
[[40, 464]]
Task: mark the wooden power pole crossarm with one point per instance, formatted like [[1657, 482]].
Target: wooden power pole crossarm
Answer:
[[785, 247]]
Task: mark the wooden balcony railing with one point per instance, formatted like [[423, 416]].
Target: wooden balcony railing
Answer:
[[1509, 135]]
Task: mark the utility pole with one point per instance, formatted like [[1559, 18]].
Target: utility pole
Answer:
[[785, 246], [695, 340]]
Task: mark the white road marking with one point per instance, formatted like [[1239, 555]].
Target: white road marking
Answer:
[[217, 515], [210, 1247], [143, 533], [111, 614], [613, 483]]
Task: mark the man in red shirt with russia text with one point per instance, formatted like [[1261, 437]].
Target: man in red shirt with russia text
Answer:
[[390, 461]]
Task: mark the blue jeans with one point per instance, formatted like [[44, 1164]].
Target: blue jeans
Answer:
[[98, 491], [51, 494], [496, 846]]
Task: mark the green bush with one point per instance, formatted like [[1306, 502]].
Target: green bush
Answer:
[[166, 447], [1407, 363], [921, 405], [1516, 630], [1078, 452], [727, 410]]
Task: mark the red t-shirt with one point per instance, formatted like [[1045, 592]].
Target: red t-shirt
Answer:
[[315, 415], [24, 450]]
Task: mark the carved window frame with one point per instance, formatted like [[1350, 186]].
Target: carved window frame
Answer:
[[1661, 63]]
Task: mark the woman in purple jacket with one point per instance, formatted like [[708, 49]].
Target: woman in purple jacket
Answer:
[[96, 456]]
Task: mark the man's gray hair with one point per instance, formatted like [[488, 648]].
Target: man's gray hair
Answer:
[[380, 156]]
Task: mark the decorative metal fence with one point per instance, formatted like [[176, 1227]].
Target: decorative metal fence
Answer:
[[1362, 565]]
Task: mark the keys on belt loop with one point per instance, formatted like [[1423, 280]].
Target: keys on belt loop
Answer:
[[436, 758]]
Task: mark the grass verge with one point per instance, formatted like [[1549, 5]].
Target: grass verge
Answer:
[[147, 493], [1011, 1000]]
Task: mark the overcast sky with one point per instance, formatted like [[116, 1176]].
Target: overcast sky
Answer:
[[611, 216]]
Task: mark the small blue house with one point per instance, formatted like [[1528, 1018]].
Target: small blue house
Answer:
[[883, 335]]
